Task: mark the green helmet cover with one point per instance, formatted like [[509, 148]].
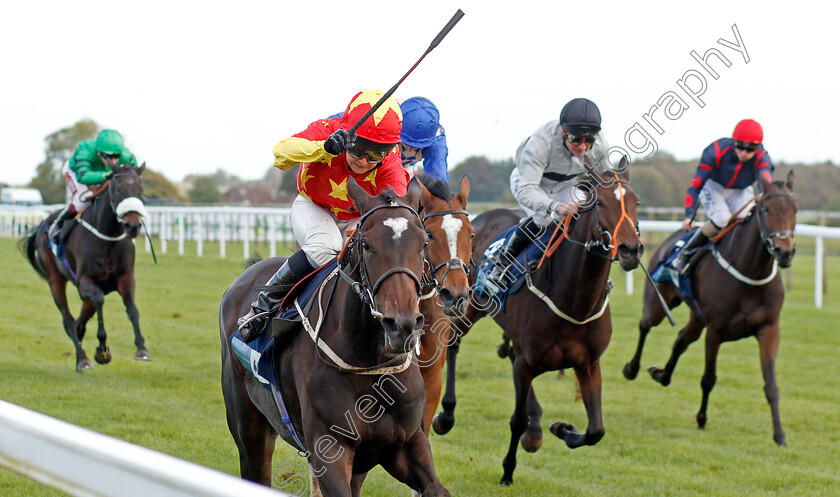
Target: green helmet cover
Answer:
[[109, 142]]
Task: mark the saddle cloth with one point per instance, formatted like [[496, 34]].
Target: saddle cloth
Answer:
[[515, 273], [665, 273]]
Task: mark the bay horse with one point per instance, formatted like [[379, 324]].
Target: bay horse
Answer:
[[353, 392], [100, 260], [446, 289], [738, 291], [563, 319]]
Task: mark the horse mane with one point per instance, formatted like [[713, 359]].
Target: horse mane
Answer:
[[436, 187], [250, 261]]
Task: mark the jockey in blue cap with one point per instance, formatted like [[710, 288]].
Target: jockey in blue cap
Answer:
[[423, 138]]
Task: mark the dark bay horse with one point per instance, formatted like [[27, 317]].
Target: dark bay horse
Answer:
[[446, 289], [100, 260], [568, 325], [355, 399], [742, 301]]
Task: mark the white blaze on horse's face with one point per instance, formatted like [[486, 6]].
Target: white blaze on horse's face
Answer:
[[451, 227], [398, 224], [619, 191]]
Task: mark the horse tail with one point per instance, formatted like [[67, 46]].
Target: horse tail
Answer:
[[27, 246]]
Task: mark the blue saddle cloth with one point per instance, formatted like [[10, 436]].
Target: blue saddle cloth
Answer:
[[256, 356], [515, 273], [665, 273], [60, 252]]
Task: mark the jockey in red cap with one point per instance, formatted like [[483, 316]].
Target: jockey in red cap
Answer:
[[723, 183], [327, 155]]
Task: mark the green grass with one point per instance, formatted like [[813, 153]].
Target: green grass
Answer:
[[652, 446]]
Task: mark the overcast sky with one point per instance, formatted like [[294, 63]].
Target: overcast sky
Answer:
[[200, 86]]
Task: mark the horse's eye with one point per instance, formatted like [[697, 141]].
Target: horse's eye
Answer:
[[639, 202], [472, 236], [599, 203], [429, 236], [365, 245]]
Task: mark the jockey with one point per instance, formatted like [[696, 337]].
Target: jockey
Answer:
[[328, 155], [547, 164], [723, 183], [88, 167], [423, 138]]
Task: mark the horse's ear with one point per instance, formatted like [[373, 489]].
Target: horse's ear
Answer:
[[764, 181], [464, 192], [789, 182], [425, 194], [359, 196], [114, 167], [589, 167], [624, 168], [413, 193], [141, 169]]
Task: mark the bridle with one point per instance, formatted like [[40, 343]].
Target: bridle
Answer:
[[429, 278], [363, 288], [771, 240], [606, 237]]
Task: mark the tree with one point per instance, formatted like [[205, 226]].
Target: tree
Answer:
[[204, 190], [489, 180], [157, 186], [60, 146]]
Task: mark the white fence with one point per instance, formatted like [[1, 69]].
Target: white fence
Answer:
[[247, 225], [81, 462]]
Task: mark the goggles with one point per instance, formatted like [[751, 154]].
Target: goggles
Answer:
[[374, 156], [746, 146], [589, 140]]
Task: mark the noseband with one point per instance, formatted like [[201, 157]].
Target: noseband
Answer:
[[430, 277], [364, 288], [771, 240]]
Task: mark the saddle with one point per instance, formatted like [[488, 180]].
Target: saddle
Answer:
[[663, 272]]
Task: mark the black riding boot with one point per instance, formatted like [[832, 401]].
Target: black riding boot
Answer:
[[256, 321], [699, 239], [55, 228], [524, 234]]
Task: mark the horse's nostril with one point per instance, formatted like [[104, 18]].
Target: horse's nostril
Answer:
[[446, 296], [418, 322]]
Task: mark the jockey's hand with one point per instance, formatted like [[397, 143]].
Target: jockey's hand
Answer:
[[560, 209], [688, 224], [339, 141]]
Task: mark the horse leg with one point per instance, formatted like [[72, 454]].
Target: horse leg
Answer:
[[652, 315], [686, 337], [443, 422], [522, 379], [125, 286], [709, 375], [412, 464], [58, 288], [631, 369], [356, 483], [532, 439], [589, 381], [89, 291], [431, 359], [87, 311], [768, 343], [335, 478]]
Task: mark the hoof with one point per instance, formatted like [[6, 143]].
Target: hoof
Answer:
[[701, 421], [506, 481], [529, 443], [442, 424], [84, 364], [658, 376], [142, 355], [561, 430], [503, 350], [630, 372], [780, 441], [103, 355]]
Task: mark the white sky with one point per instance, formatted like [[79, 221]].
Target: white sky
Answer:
[[200, 86]]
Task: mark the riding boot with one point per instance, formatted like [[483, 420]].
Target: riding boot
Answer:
[[256, 321], [66, 213], [680, 264], [522, 236]]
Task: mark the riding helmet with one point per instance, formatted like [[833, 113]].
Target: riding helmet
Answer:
[[384, 126], [109, 142], [421, 121], [581, 117], [748, 131]]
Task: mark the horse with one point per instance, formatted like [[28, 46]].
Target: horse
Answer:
[[446, 288], [738, 295], [563, 319], [99, 260], [353, 391]]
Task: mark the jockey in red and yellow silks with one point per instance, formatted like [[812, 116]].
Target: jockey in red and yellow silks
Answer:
[[328, 156]]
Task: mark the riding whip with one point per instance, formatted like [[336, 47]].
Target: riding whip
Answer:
[[659, 296], [443, 32]]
